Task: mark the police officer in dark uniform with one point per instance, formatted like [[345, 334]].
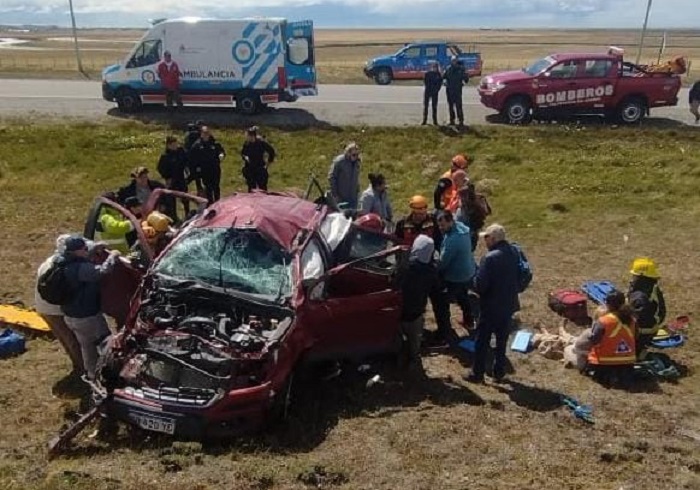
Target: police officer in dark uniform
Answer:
[[205, 157], [254, 164], [455, 77], [432, 82]]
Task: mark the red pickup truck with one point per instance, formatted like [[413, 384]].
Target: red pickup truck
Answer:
[[579, 83]]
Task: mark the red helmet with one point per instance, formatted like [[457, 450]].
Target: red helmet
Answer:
[[371, 222]]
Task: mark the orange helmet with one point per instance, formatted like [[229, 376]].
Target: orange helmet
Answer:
[[371, 222], [460, 161], [418, 202]]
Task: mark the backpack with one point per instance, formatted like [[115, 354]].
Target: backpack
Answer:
[[524, 269], [570, 304], [54, 287]]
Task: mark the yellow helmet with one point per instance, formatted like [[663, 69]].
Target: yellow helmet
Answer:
[[418, 202], [644, 266], [158, 221]]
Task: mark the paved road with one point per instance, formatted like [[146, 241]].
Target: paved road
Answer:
[[336, 105]]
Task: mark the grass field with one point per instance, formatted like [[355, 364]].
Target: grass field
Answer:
[[568, 194], [341, 54]]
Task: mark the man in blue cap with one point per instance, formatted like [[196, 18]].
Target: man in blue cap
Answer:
[[83, 311]]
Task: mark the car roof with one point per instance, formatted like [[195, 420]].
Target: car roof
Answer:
[[584, 56], [280, 217]]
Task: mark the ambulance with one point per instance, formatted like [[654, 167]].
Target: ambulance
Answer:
[[248, 63]]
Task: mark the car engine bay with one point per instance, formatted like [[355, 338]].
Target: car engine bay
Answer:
[[190, 344]]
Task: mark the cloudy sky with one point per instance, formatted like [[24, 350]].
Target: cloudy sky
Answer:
[[365, 13]]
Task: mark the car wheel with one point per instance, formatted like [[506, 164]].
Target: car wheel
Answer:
[[128, 100], [383, 76], [517, 110], [631, 110], [248, 103], [282, 401]]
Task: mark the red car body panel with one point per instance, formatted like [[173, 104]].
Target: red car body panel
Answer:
[[351, 310]]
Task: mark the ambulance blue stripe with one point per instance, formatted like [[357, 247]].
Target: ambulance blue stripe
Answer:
[[263, 69], [271, 48], [249, 29], [273, 83], [258, 40]]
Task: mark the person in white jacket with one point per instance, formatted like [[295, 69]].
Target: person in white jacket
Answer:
[[53, 316]]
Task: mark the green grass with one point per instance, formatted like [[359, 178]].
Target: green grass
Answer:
[[568, 194]]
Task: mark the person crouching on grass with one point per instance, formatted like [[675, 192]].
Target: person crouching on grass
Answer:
[[419, 280]]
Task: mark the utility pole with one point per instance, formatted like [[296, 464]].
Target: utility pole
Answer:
[[644, 32], [75, 40]]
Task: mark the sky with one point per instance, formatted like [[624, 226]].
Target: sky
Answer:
[[365, 13]]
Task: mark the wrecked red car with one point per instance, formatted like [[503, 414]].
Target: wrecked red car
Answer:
[[248, 290]]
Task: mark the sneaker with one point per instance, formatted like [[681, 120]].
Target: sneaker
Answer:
[[473, 378]]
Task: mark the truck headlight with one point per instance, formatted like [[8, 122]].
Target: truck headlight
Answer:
[[495, 87]]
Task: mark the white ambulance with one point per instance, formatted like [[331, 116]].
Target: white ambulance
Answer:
[[248, 62]]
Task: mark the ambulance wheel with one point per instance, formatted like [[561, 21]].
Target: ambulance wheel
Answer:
[[517, 110], [248, 103], [631, 110], [383, 76], [128, 100]]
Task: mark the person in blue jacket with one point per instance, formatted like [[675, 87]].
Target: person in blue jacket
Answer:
[[457, 266], [498, 285]]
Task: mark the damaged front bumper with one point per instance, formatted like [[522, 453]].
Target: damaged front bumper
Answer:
[[227, 414]]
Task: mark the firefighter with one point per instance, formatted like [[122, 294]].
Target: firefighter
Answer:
[[647, 301], [613, 338], [158, 232], [113, 228], [445, 190]]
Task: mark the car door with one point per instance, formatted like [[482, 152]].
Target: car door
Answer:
[[407, 62], [595, 81], [553, 87], [118, 287], [170, 203], [357, 321], [431, 54]]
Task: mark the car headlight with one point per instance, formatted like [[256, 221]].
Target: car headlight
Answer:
[[496, 86]]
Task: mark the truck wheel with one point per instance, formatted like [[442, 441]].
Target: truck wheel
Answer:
[[631, 110], [248, 103], [128, 100], [383, 76], [517, 110]]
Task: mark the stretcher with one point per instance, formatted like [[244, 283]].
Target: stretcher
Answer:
[[597, 291], [20, 317]]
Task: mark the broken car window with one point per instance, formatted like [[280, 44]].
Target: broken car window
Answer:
[[233, 258]]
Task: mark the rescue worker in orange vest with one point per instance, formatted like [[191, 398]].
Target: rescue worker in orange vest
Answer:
[[613, 338], [459, 181], [420, 222], [445, 189]]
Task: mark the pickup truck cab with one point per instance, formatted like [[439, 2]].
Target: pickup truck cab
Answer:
[[414, 59], [579, 83]]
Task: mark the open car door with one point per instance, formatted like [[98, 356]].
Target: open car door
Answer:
[[356, 307], [119, 286], [180, 206]]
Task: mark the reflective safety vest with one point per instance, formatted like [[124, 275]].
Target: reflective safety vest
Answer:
[[112, 230], [449, 194], [617, 346], [654, 298], [411, 230]]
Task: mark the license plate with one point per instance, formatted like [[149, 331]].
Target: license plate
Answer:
[[156, 424]]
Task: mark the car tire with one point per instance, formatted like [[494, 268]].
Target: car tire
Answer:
[[631, 110], [128, 100], [383, 76], [248, 103], [517, 110], [281, 403]]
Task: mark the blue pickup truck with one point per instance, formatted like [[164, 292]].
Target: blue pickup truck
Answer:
[[414, 59]]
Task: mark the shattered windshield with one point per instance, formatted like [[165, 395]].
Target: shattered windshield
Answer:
[[233, 258], [539, 66]]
